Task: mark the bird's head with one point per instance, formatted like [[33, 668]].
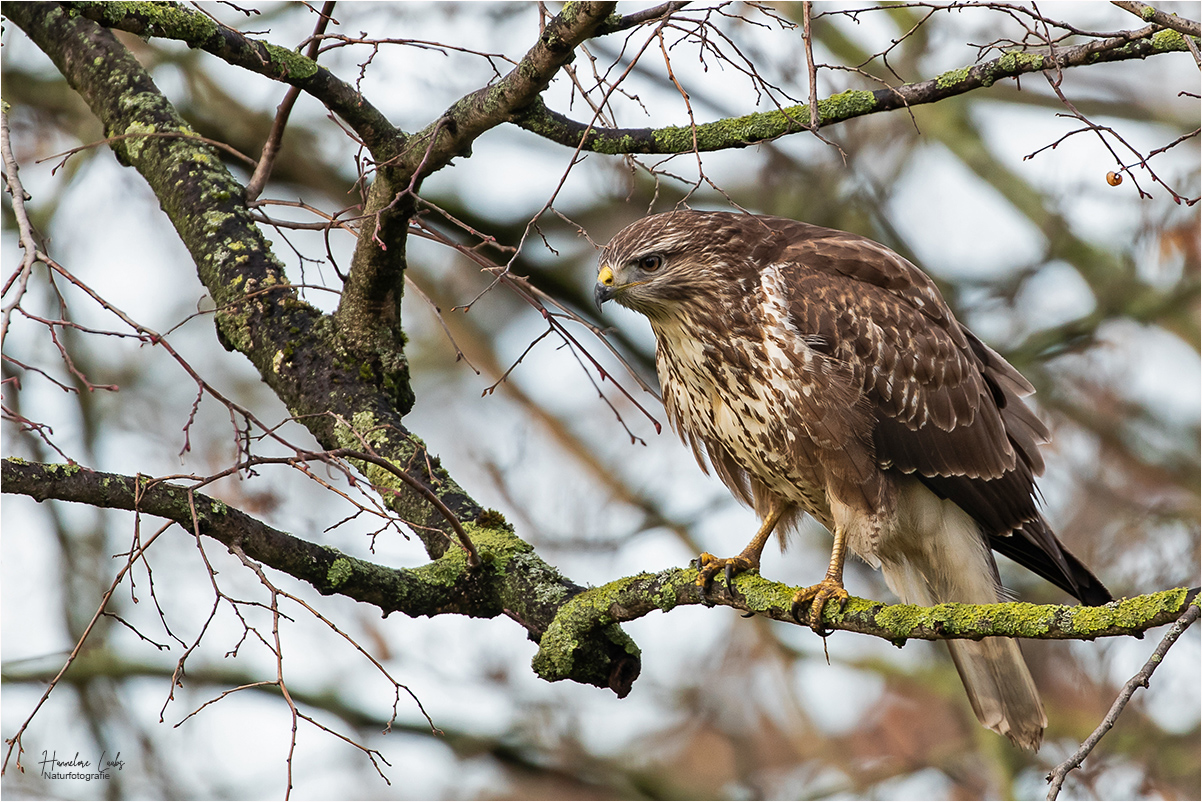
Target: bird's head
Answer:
[[660, 262], [631, 281]]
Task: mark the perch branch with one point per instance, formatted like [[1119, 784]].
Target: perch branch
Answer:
[[571, 624]]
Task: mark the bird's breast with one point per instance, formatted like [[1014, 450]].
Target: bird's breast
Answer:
[[740, 396]]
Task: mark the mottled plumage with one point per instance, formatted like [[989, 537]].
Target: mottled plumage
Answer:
[[820, 372]]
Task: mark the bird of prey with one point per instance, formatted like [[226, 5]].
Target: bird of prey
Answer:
[[820, 372]]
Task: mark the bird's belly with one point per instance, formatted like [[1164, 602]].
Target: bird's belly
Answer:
[[771, 452]]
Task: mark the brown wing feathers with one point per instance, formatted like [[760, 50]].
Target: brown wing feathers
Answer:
[[949, 409]]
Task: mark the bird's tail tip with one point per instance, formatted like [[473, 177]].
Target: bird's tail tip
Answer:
[[1001, 690]]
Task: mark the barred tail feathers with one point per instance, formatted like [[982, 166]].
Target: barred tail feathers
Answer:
[[936, 554]]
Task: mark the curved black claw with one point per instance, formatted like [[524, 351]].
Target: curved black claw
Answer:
[[704, 578], [709, 566]]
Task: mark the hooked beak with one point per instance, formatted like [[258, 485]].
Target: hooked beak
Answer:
[[604, 289]]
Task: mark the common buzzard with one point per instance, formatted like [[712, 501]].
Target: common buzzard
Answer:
[[820, 372]]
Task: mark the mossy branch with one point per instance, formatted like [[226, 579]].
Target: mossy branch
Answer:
[[634, 597], [576, 629], [176, 21], [752, 129], [416, 592], [511, 580]]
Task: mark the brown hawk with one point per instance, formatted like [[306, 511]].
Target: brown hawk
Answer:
[[820, 372]]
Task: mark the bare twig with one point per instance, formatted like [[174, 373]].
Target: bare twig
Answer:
[[66, 154], [28, 241], [341, 40], [271, 147], [807, 37], [15, 741], [1140, 680], [541, 301]]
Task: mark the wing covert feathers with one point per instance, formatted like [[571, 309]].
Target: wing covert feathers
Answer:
[[947, 408]]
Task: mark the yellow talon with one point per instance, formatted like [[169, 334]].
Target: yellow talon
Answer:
[[829, 589]]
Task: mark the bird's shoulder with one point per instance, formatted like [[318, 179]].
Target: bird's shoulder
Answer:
[[933, 389], [841, 272]]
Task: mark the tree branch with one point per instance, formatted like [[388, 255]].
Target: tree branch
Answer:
[[618, 24], [575, 628], [415, 592], [1147, 13], [751, 129], [344, 401], [174, 21], [511, 580]]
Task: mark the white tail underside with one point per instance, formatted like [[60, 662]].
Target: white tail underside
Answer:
[[936, 554]]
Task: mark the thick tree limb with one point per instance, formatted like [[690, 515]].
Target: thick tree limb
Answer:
[[511, 581], [574, 627], [175, 21], [759, 127], [368, 311]]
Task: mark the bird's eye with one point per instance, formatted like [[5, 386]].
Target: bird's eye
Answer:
[[650, 262]]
